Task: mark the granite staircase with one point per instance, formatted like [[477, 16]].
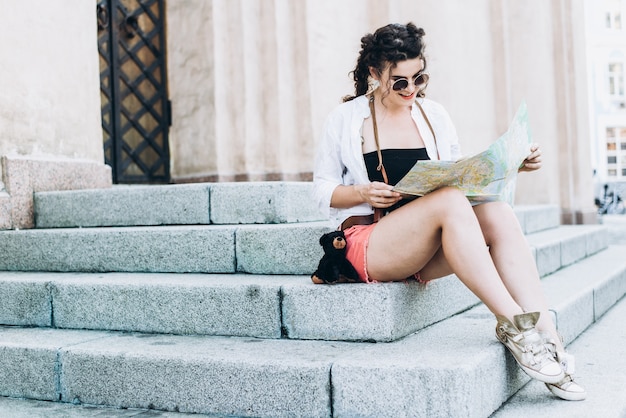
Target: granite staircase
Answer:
[[197, 299]]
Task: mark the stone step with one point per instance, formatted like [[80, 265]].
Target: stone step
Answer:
[[559, 247], [182, 204], [452, 368], [254, 249], [249, 305], [28, 408], [208, 203], [234, 305]]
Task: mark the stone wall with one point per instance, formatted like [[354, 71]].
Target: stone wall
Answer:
[[50, 134], [251, 82]]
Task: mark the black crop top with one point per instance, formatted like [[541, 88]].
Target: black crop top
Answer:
[[397, 163]]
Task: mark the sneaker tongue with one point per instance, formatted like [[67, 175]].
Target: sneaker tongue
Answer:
[[526, 321], [567, 362]]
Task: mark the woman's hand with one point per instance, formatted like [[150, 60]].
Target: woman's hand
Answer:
[[378, 194], [533, 161]]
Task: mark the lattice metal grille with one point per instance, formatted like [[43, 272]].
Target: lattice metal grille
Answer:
[[135, 108]]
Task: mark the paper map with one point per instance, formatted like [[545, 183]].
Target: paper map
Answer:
[[485, 177]]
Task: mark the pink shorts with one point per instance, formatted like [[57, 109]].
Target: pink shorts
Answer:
[[357, 240]]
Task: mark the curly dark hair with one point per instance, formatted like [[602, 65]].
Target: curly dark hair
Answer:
[[387, 46]]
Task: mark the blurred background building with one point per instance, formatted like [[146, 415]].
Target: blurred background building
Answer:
[[606, 43], [99, 92]]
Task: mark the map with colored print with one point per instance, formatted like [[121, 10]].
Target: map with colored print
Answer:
[[485, 177]]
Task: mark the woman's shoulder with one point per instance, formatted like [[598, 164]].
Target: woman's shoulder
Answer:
[[347, 110], [359, 102]]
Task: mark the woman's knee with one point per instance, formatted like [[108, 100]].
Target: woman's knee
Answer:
[[444, 204], [451, 200]]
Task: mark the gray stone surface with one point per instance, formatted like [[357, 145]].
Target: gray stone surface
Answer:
[[616, 225], [535, 218], [600, 369], [201, 203], [124, 206], [248, 305], [263, 203], [579, 293], [279, 249], [573, 248], [584, 291], [26, 408], [378, 311], [607, 293], [452, 368], [208, 249], [241, 305], [455, 368], [170, 303], [25, 300], [230, 376], [597, 239], [28, 360], [558, 247]]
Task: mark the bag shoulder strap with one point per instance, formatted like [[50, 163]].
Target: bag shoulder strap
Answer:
[[380, 166], [432, 131]]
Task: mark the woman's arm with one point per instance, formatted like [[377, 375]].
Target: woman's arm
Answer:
[[376, 194]]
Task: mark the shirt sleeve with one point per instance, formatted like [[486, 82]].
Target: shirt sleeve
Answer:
[[329, 169]]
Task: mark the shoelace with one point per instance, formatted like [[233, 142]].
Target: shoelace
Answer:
[[540, 354]]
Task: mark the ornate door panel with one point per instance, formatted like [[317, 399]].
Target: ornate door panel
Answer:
[[133, 90]]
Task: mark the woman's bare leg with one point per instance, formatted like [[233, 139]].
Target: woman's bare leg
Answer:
[[514, 261], [406, 240]]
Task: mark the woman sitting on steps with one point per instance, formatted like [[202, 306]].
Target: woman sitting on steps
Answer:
[[369, 143]]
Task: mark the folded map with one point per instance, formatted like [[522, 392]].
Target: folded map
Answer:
[[485, 177]]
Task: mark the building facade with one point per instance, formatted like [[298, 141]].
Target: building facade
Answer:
[[606, 30], [249, 83]]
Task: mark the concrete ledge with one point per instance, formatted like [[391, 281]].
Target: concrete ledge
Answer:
[[370, 312], [263, 203], [29, 365], [226, 203], [23, 176], [582, 293], [167, 303], [535, 218], [226, 376], [5, 210], [609, 292], [25, 300], [255, 249], [28, 408], [179, 249], [279, 249], [565, 245], [124, 206], [453, 369], [285, 306]]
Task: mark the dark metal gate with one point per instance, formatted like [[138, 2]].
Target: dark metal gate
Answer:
[[133, 90]]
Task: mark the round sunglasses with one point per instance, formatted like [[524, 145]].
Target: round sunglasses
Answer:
[[418, 81]]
